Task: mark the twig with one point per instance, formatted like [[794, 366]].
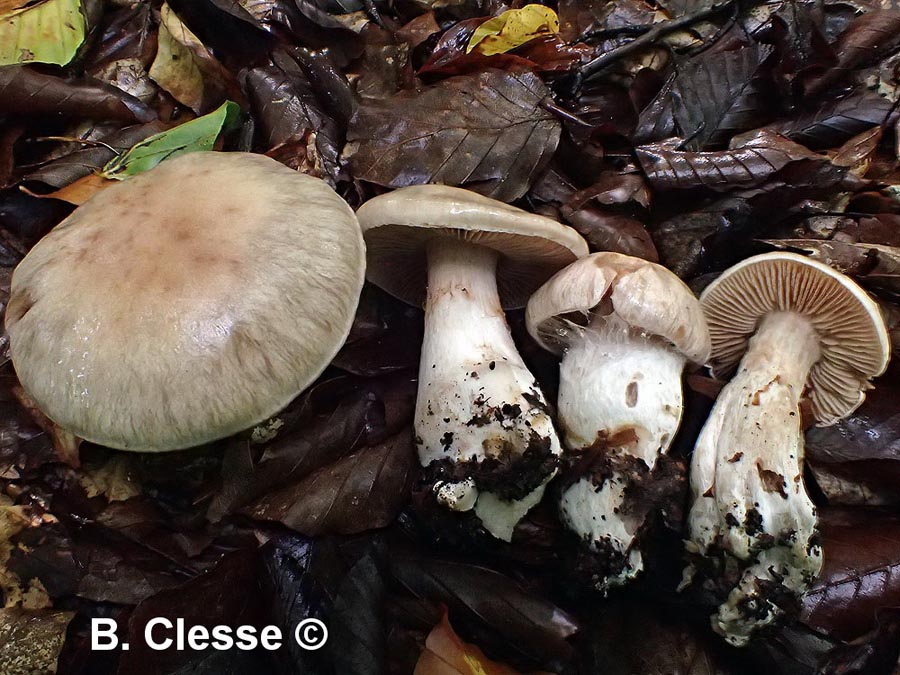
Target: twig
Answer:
[[600, 63]]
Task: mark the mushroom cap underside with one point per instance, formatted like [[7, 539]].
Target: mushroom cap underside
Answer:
[[186, 303], [852, 335], [643, 294], [399, 225]]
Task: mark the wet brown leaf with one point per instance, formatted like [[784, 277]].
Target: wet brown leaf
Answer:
[[362, 491], [861, 574], [753, 162], [486, 132], [30, 640], [27, 91]]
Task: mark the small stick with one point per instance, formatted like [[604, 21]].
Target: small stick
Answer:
[[600, 63]]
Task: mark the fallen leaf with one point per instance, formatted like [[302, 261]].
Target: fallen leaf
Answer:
[[835, 120], [719, 94], [486, 132], [868, 36], [31, 640], [50, 31], [79, 191], [185, 68], [528, 626], [512, 29], [752, 163], [193, 136], [362, 491], [446, 654], [26, 91], [860, 575]]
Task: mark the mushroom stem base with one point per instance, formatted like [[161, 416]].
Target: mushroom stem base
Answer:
[[483, 430], [620, 405], [750, 503]]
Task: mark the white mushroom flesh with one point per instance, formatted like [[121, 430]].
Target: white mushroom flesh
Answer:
[[480, 417], [750, 503], [620, 392]]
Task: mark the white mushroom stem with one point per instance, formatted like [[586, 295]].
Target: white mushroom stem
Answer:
[[620, 392], [750, 502], [479, 413]]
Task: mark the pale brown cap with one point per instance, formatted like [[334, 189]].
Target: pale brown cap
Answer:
[[643, 294], [852, 336], [186, 303], [398, 226]]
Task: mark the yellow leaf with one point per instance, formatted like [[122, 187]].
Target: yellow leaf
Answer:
[[512, 29]]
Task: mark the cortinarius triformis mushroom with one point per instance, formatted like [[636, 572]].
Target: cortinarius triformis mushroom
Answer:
[[484, 434], [620, 395], [799, 330], [187, 303]]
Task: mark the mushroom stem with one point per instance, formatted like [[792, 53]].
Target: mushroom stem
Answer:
[[483, 429], [620, 400], [750, 503]]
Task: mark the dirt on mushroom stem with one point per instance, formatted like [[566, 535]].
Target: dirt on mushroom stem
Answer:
[[620, 398], [483, 429], [750, 503]]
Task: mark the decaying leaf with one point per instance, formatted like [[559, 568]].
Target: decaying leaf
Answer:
[[445, 653], [27, 91], [48, 31], [30, 640], [185, 68], [719, 94], [752, 163], [486, 132], [861, 573], [198, 134], [362, 491], [512, 29]]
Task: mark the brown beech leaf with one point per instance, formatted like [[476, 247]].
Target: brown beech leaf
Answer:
[[866, 39], [603, 230], [289, 112], [487, 132], [613, 188], [718, 94], [856, 154], [857, 460], [228, 594], [861, 573], [752, 163], [505, 615], [26, 91], [835, 119], [362, 491]]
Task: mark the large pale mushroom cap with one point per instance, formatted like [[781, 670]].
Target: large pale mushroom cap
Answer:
[[852, 335], [643, 294], [399, 225], [187, 303]]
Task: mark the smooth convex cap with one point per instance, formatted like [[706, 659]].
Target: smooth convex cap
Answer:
[[187, 303], [399, 225], [852, 336], [644, 295]]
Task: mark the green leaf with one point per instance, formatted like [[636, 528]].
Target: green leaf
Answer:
[[48, 32], [198, 134]]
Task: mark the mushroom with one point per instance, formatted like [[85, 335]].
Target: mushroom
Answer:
[[187, 303], [484, 434], [620, 396], [799, 330]]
